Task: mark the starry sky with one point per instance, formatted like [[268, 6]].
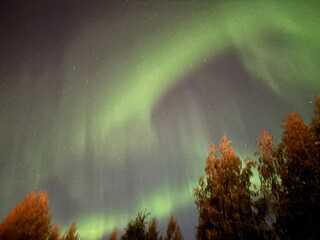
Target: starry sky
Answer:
[[110, 106]]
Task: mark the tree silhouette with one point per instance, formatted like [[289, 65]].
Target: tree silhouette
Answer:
[[285, 205], [136, 228], [153, 233], [173, 230]]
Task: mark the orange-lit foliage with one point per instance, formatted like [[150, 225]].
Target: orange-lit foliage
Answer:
[[267, 163], [114, 235], [54, 233], [28, 220], [299, 156], [223, 196], [300, 177], [286, 206], [268, 205]]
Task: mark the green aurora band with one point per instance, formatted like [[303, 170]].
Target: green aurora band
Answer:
[[165, 57]]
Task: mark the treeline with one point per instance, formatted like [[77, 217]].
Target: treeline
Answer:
[[30, 220], [283, 202], [274, 196]]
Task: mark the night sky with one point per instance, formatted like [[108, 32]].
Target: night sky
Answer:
[[110, 106]]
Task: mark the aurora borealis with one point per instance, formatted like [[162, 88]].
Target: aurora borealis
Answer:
[[110, 105]]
